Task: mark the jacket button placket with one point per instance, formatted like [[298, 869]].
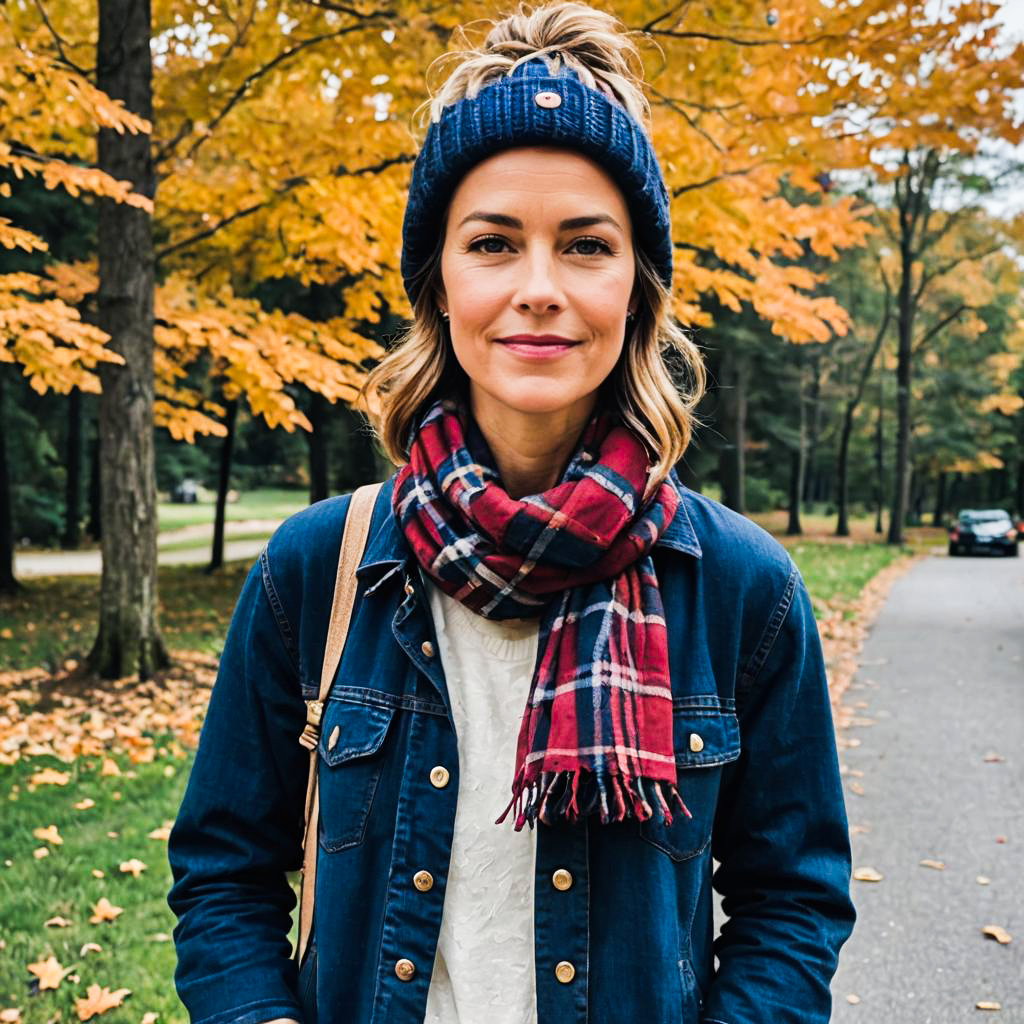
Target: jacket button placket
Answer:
[[425, 824], [561, 923]]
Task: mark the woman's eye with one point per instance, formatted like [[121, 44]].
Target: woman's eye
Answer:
[[591, 246], [490, 244]]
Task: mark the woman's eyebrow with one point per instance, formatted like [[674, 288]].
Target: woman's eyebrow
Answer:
[[570, 224]]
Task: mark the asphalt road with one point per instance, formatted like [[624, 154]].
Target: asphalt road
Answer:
[[940, 743]]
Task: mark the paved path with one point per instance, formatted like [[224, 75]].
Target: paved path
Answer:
[[72, 563], [942, 679]]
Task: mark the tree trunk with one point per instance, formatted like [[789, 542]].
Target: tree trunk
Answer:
[[811, 482], [129, 639], [8, 583], [842, 472], [732, 393], [904, 373], [94, 524], [73, 481], [798, 462], [223, 484], [939, 515], [880, 453], [316, 441]]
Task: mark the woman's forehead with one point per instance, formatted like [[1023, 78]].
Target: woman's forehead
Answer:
[[542, 180]]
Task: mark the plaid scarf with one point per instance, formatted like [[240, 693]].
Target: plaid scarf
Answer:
[[597, 730]]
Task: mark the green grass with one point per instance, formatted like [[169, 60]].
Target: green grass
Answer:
[[207, 541], [32, 891], [838, 572], [137, 952], [262, 504], [54, 618]]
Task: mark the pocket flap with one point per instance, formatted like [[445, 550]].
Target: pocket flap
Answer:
[[361, 729], [705, 736]]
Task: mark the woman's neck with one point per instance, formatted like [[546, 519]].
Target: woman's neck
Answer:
[[531, 449]]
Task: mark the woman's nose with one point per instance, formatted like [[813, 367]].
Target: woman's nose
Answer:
[[539, 290]]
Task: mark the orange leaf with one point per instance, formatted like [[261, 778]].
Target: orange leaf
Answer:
[[50, 834], [104, 910], [134, 867], [49, 972], [99, 1000], [50, 777]]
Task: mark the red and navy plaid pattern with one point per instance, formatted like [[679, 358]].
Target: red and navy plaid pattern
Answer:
[[597, 731]]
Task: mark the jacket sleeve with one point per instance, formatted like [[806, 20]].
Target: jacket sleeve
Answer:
[[239, 828], [781, 836]]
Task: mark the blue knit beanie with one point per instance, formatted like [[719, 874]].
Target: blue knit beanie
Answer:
[[532, 107]]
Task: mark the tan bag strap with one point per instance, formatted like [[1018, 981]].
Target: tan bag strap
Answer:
[[353, 541]]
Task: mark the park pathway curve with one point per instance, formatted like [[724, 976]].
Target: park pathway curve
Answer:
[[934, 770]]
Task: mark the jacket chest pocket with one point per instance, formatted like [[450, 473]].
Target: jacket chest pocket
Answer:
[[706, 736], [351, 760]]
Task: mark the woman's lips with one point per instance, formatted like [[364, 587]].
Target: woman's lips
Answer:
[[540, 347]]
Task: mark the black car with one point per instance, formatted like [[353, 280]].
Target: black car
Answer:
[[989, 529]]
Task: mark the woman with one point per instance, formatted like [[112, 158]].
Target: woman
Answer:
[[570, 683]]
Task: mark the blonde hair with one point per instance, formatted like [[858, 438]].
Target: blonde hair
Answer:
[[422, 367]]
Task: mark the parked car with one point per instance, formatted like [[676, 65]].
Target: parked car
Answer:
[[988, 529]]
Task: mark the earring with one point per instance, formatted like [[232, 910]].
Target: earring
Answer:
[[630, 316], [445, 315]]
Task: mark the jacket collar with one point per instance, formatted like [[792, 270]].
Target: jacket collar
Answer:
[[387, 550]]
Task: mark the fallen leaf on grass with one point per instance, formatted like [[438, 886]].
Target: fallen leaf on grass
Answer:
[[109, 767], [161, 937], [40, 852], [163, 832], [50, 834], [149, 1018], [11, 1015], [935, 865], [50, 777], [57, 922], [867, 875], [104, 910], [96, 873], [99, 1000], [113, 835], [997, 932], [90, 947], [983, 880], [48, 971], [134, 867], [987, 1004], [84, 805]]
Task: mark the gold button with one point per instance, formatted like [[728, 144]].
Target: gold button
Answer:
[[561, 879], [439, 776], [549, 100], [405, 969], [333, 738], [696, 743], [427, 648], [565, 972], [423, 880]]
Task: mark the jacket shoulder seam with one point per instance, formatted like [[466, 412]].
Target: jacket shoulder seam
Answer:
[[769, 635], [284, 627]]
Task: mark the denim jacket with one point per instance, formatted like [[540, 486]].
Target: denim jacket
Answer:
[[757, 767]]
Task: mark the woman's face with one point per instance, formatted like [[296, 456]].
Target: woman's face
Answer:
[[538, 272]]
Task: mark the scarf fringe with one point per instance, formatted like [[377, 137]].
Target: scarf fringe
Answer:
[[570, 795]]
